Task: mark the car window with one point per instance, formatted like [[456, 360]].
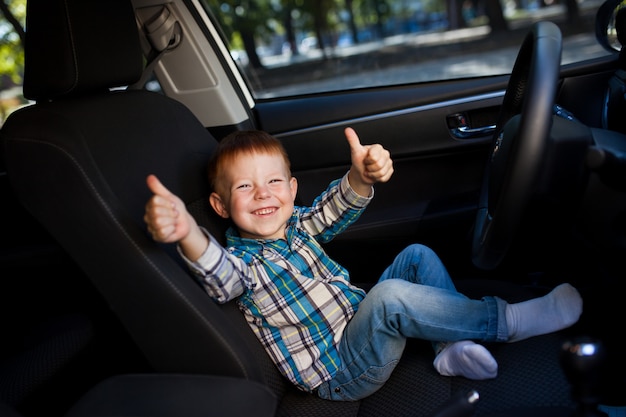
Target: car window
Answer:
[[12, 22], [294, 47]]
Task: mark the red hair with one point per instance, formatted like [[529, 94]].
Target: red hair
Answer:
[[243, 142]]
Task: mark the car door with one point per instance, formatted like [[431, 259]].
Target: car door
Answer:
[[434, 110]]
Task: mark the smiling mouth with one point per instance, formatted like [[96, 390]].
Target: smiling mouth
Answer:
[[264, 211]]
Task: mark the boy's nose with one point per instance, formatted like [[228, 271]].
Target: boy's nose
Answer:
[[262, 192]]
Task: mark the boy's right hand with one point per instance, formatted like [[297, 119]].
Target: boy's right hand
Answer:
[[169, 221], [166, 216]]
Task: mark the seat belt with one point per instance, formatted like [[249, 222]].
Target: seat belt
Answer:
[[164, 33]]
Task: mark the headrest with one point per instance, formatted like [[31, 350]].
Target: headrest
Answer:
[[75, 47]]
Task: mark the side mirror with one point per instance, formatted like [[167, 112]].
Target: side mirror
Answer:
[[608, 28]]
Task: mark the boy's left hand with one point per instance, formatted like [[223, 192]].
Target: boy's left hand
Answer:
[[370, 163]]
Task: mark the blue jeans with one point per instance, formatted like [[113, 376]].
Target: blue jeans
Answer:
[[415, 297]]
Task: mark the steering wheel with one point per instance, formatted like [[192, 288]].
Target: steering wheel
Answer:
[[519, 145]]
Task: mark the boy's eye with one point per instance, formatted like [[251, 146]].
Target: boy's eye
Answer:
[[242, 186], [275, 180]]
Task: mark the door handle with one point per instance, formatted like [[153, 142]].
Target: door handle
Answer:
[[461, 129]]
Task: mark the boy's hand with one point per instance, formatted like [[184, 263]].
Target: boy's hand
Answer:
[[370, 163], [169, 221], [166, 215]]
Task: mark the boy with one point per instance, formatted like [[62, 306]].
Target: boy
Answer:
[[324, 334]]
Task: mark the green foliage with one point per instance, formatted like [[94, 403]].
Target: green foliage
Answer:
[[11, 60], [266, 18], [248, 15], [11, 48]]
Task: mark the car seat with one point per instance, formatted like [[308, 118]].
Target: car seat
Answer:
[[78, 158]]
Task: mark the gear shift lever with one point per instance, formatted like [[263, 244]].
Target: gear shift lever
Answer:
[[582, 360]]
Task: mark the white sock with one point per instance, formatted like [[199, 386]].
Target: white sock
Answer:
[[468, 359], [554, 311]]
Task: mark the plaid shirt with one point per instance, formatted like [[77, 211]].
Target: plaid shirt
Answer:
[[294, 297]]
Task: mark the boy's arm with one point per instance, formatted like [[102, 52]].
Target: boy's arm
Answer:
[[334, 210], [222, 275], [370, 164], [343, 201], [169, 221]]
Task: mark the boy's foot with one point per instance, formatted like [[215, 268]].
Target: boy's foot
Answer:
[[554, 311], [468, 359]]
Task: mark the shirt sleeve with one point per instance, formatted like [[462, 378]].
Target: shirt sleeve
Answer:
[[354, 198], [219, 273], [334, 210]]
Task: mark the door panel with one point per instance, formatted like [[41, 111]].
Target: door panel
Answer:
[[432, 196]]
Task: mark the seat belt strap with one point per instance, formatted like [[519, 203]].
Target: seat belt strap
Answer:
[[164, 33]]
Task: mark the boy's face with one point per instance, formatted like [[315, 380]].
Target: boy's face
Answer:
[[258, 194]]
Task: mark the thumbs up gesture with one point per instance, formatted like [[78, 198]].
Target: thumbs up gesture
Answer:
[[169, 221], [166, 216], [370, 164]]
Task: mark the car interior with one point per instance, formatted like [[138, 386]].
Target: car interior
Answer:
[[147, 341]]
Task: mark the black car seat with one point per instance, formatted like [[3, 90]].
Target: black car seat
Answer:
[[78, 158]]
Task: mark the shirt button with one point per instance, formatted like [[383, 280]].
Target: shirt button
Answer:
[[337, 390]]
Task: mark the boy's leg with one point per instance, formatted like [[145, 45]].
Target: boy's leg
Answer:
[[432, 309], [557, 310], [394, 310], [420, 264]]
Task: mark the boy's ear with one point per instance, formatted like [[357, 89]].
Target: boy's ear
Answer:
[[216, 202], [293, 184]]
